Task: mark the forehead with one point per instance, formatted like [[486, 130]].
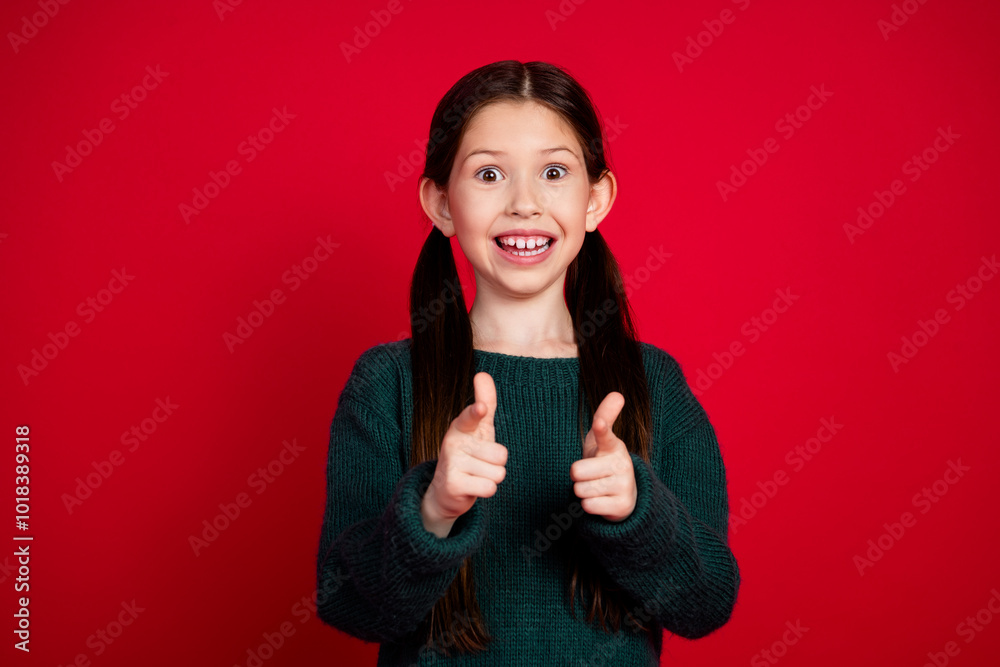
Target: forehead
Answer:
[[509, 124]]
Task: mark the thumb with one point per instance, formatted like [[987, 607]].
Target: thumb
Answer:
[[480, 413], [604, 419], [486, 392]]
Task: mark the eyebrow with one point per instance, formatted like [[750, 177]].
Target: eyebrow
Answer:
[[544, 151]]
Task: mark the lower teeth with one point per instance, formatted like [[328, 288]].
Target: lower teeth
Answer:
[[528, 253]]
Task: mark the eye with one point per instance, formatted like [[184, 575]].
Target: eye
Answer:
[[489, 170], [554, 168]]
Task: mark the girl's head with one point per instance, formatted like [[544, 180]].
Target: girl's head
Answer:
[[517, 146]]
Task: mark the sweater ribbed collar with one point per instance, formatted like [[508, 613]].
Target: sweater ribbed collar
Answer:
[[516, 369]]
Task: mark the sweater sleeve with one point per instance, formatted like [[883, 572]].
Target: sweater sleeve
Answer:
[[379, 571], [672, 553]]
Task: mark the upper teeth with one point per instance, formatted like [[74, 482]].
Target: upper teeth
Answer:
[[528, 242]]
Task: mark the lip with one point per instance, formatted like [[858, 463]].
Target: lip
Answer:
[[517, 259]]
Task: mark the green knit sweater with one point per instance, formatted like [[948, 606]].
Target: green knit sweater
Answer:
[[380, 571]]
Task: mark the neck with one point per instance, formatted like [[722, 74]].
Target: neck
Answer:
[[538, 322]]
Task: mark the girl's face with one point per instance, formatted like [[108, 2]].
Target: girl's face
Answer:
[[519, 178]]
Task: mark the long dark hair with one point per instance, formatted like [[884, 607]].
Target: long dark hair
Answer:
[[441, 348]]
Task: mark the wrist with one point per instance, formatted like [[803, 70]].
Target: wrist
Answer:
[[431, 516]]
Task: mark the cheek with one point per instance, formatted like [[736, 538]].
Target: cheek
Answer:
[[569, 205], [478, 208], [571, 218]]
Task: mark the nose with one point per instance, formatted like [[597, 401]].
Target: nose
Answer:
[[525, 199]]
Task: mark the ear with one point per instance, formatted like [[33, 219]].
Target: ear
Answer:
[[434, 201], [602, 196]]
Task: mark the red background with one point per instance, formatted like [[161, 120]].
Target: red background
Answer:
[[674, 134]]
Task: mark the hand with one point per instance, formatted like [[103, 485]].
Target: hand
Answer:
[[604, 478], [471, 463]]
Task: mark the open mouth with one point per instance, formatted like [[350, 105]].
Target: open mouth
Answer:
[[523, 246]]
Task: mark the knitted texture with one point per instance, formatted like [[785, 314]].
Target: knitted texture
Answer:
[[380, 571]]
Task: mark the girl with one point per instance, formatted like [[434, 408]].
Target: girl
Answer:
[[506, 460]]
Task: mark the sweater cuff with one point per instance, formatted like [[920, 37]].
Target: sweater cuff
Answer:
[[642, 538], [422, 552]]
